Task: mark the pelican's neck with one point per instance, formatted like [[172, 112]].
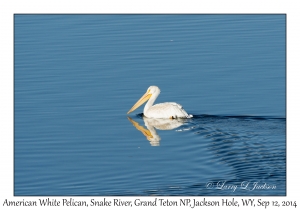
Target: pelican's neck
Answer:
[[150, 102]]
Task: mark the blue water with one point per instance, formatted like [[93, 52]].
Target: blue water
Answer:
[[76, 76]]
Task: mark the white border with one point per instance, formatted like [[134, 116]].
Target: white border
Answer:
[[9, 8]]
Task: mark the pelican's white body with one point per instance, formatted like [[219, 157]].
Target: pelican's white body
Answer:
[[163, 110]]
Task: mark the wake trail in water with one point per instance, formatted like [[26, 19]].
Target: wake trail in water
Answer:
[[239, 117]]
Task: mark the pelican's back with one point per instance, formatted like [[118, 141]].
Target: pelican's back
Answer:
[[167, 110]]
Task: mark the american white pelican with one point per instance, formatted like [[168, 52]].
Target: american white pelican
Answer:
[[164, 110]]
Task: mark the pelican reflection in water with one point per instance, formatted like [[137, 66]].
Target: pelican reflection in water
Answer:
[[166, 110], [153, 124]]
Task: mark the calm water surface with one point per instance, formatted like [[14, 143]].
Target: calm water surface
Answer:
[[76, 76]]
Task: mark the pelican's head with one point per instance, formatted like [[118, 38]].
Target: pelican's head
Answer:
[[152, 90]]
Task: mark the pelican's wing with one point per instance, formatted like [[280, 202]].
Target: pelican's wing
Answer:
[[167, 110]]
